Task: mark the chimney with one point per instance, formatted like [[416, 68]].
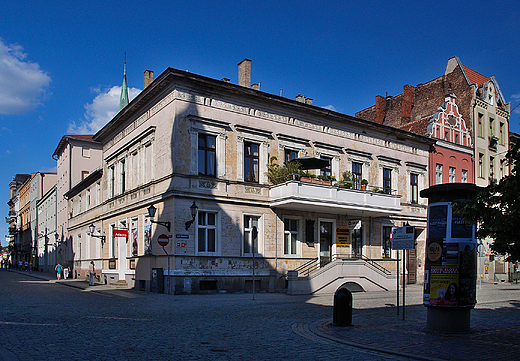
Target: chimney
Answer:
[[244, 73], [380, 109], [148, 77], [407, 103], [256, 86], [225, 80], [300, 98], [308, 101]]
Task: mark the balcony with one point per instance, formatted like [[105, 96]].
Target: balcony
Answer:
[[309, 197]]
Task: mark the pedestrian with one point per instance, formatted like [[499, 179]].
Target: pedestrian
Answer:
[[58, 271], [30, 267], [66, 271], [91, 270]]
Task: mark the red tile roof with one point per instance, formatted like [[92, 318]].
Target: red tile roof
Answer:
[[80, 136], [474, 77]]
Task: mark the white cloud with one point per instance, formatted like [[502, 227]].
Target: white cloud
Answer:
[[22, 83], [516, 106], [102, 109], [330, 107]]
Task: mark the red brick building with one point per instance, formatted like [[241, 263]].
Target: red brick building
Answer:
[[465, 110]]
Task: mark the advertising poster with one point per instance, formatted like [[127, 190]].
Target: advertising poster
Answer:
[[444, 285], [342, 237], [135, 238], [147, 236]]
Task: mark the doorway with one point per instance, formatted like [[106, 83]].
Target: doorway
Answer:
[[326, 253]]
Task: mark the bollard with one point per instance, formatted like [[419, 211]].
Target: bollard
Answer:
[[342, 313]]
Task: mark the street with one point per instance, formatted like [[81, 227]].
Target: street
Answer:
[[42, 319]]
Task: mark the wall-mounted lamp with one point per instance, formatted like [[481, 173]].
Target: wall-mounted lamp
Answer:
[[193, 210], [151, 214], [91, 230]]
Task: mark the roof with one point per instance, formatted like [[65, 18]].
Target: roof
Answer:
[[172, 76], [474, 77], [66, 137]]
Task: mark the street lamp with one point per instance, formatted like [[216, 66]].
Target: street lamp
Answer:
[[151, 214], [91, 230], [193, 210]]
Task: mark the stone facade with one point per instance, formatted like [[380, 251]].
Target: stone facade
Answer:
[[189, 140]]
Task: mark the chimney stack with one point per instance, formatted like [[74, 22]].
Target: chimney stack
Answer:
[[380, 109], [407, 103], [148, 77], [244, 73]]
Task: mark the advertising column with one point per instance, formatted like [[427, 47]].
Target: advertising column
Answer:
[[450, 273]]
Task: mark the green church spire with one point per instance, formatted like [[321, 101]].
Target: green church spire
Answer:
[[123, 102]]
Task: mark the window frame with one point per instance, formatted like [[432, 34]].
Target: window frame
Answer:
[[215, 227], [250, 158], [247, 230], [387, 180], [357, 176], [206, 151], [414, 188], [290, 232]]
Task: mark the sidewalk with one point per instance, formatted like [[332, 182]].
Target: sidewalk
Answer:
[[71, 282], [495, 331]]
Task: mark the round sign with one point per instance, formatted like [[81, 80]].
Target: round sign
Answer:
[[163, 240], [434, 251]]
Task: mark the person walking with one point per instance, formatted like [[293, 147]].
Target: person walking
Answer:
[[58, 271], [91, 270]]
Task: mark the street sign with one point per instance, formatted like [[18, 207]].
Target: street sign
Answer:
[[403, 237], [120, 232], [163, 240]]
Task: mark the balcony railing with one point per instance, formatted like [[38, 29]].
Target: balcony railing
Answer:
[[328, 198]]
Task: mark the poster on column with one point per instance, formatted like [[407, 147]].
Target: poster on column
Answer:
[[147, 236], [135, 240]]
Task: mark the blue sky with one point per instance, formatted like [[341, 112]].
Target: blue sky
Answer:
[[61, 62]]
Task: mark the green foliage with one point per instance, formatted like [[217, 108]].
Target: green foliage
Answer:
[[277, 173], [364, 182], [496, 210]]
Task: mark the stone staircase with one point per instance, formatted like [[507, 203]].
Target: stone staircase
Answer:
[[119, 284]]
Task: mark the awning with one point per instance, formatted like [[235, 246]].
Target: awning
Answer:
[[311, 162]]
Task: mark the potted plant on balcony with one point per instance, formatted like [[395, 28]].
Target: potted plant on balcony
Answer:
[[277, 173], [364, 184], [346, 182], [307, 177]]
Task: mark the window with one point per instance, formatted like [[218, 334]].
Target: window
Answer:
[[326, 171], [502, 135], [387, 244], [481, 125], [85, 152], [356, 175], [387, 180], [250, 244], [111, 176], [491, 127], [88, 198], [290, 154], [207, 155], [438, 174], [98, 193], [492, 167], [481, 165], [207, 232], [451, 175], [464, 176], [123, 176], [502, 174], [291, 231], [84, 174], [251, 162], [79, 204], [414, 188]]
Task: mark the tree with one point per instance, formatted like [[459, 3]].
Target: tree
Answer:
[[496, 210]]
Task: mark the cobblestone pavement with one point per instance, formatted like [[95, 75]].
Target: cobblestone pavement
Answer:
[[43, 320]]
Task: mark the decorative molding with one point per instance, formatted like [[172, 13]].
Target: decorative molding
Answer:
[[207, 184]]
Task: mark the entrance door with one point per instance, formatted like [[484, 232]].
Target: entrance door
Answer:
[[357, 242], [326, 242], [122, 247]]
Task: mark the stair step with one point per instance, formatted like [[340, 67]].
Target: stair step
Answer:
[[119, 284]]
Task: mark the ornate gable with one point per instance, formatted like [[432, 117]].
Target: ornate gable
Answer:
[[447, 124]]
